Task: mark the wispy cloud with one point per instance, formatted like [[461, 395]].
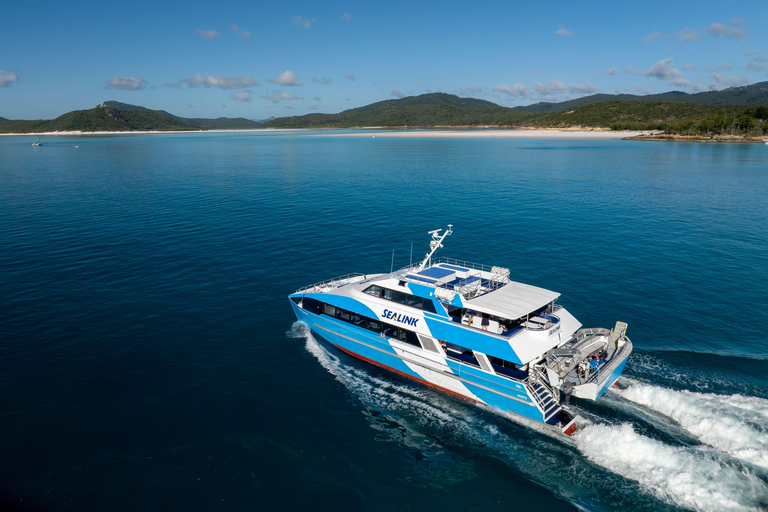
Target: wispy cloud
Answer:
[[313, 107], [585, 88], [735, 30], [550, 90], [7, 78], [350, 77], [470, 91], [127, 83], [723, 82], [346, 16], [324, 81], [688, 35], [397, 94], [220, 81], [316, 98], [562, 31], [277, 96], [653, 36], [242, 95], [303, 22], [663, 70], [286, 78], [208, 34], [242, 33], [518, 90], [611, 71]]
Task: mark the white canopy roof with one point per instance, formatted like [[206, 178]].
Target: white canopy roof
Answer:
[[512, 301]]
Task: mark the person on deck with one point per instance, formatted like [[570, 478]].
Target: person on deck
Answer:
[[485, 322]]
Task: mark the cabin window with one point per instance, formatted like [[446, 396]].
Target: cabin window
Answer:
[[329, 310], [312, 305], [414, 301]]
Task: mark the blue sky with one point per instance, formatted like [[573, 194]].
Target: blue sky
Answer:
[[259, 59]]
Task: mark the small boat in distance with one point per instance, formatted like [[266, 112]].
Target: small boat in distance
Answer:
[[470, 330], [37, 142]]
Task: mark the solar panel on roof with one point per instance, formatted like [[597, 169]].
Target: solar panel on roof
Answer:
[[452, 267], [436, 272]]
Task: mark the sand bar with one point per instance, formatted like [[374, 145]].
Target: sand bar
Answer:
[[492, 134]]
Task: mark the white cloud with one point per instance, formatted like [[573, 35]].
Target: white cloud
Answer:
[[550, 89], [663, 70], [242, 33], [397, 93], [611, 71], [208, 34], [350, 77], [468, 91], [220, 81], [346, 16], [7, 78], [316, 98], [585, 88], [313, 107], [757, 57], [242, 95], [636, 89], [303, 22], [723, 82], [518, 90], [562, 31], [687, 35], [277, 96], [734, 30], [653, 36], [126, 83], [324, 80], [690, 67], [286, 78], [754, 66]]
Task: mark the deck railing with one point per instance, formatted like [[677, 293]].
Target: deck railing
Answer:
[[334, 282]]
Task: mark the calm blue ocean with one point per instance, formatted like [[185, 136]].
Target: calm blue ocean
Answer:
[[149, 358]]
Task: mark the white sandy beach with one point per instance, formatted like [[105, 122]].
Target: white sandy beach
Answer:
[[492, 134]]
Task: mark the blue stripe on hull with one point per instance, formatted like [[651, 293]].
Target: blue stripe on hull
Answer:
[[610, 380], [489, 388], [492, 389]]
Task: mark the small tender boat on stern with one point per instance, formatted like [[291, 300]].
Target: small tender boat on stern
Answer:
[[469, 330]]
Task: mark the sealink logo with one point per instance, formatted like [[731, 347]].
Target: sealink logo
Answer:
[[397, 317]]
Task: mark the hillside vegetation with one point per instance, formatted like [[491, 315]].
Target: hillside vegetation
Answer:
[[679, 118], [98, 119]]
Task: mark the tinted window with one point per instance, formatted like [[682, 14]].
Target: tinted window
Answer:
[[312, 305]]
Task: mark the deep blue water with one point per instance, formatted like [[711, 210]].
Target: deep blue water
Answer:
[[149, 358]]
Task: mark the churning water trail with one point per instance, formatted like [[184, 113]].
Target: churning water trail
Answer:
[[733, 424], [688, 477]]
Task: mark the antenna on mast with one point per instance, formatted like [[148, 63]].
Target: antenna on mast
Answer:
[[435, 244]]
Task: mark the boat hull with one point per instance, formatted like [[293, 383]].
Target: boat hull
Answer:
[[429, 369]]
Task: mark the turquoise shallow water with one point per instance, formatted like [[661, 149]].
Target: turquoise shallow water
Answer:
[[149, 357]]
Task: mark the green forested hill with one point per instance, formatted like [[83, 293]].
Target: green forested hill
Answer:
[[754, 94], [98, 119], [219, 122], [618, 115]]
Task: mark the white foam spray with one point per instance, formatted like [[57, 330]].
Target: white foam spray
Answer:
[[686, 477], [733, 424]]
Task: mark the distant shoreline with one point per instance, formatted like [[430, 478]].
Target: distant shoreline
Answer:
[[445, 132]]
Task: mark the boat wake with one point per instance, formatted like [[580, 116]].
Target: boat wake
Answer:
[[733, 424], [609, 465]]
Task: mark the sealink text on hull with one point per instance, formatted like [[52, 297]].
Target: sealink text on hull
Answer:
[[470, 330]]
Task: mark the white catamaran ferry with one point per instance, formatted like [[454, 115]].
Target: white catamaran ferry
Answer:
[[469, 330]]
